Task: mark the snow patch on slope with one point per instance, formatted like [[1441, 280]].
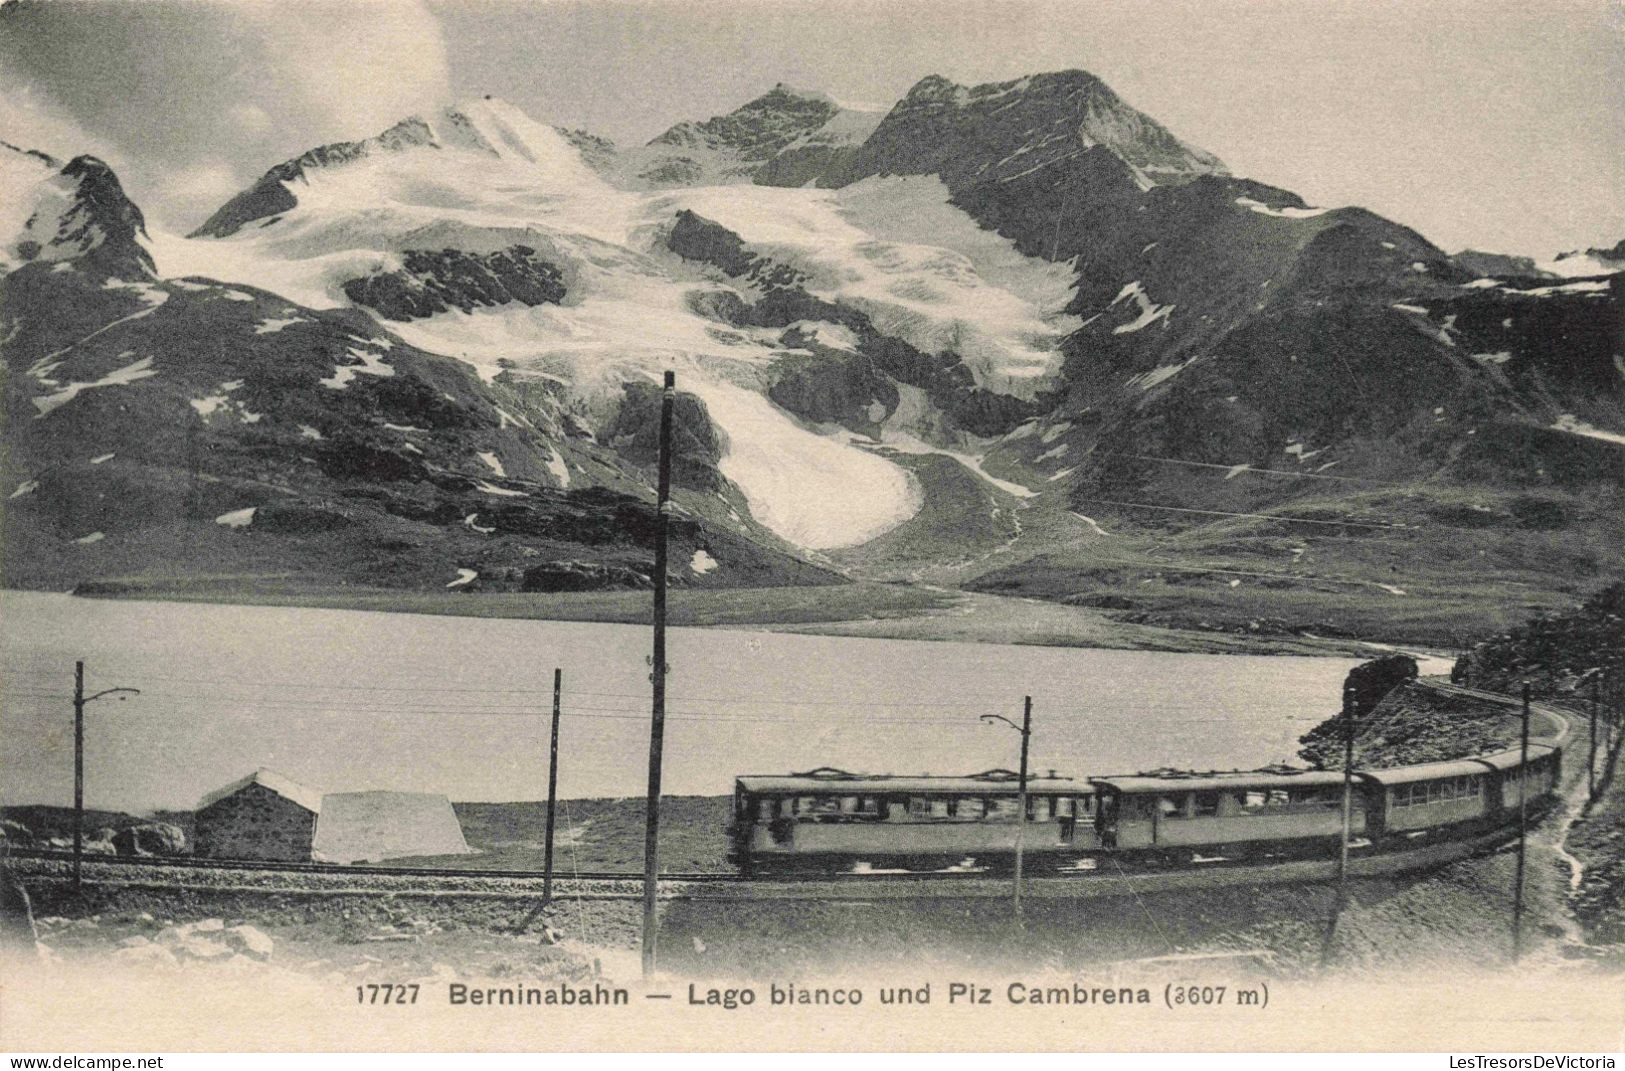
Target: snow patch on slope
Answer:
[[120, 377], [811, 490]]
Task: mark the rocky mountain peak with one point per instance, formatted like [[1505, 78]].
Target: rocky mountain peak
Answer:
[[759, 128], [1001, 130], [75, 212]]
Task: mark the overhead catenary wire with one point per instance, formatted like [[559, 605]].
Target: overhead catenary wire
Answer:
[[629, 714]]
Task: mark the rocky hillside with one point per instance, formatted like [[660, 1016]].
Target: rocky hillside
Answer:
[[1413, 724], [1557, 653]]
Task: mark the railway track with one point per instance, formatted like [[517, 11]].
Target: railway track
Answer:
[[188, 862]]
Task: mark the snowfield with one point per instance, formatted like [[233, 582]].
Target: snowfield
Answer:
[[892, 247], [809, 489], [919, 267]]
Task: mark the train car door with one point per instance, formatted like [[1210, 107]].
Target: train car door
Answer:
[[1106, 818]]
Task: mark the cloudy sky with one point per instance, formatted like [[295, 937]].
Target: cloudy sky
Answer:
[[1492, 123]]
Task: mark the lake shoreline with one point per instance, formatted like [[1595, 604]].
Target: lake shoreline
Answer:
[[868, 610]]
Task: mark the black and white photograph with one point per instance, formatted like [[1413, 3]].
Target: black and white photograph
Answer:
[[785, 526]]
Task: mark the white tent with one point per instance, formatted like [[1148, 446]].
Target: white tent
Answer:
[[357, 827]]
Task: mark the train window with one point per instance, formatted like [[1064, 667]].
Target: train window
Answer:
[[919, 807], [1207, 804], [972, 807], [1037, 809], [1002, 807], [820, 805], [1065, 806], [1170, 806], [941, 808], [867, 805], [1084, 805]]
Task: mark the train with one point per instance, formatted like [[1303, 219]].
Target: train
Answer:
[[828, 820]]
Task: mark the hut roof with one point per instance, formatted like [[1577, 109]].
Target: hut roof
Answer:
[[308, 798]]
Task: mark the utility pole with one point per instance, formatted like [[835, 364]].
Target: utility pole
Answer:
[[79, 702], [1523, 831], [552, 789], [1348, 826], [78, 772], [657, 719], [1026, 731]]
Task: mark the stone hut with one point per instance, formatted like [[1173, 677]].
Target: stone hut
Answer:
[[262, 816], [268, 816]]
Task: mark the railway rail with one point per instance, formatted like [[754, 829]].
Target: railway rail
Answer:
[[190, 862]]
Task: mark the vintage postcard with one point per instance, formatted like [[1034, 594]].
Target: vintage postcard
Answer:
[[861, 525]]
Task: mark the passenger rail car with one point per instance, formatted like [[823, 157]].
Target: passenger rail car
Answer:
[[829, 820], [1184, 815]]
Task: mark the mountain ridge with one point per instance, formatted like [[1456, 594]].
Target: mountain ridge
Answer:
[[1026, 287]]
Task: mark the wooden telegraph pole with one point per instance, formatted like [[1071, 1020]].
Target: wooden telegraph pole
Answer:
[[78, 772], [1523, 831], [1348, 828], [1026, 731], [552, 788], [80, 700], [657, 719], [1021, 793]]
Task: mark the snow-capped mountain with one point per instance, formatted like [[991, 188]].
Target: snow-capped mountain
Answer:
[[177, 426], [484, 235], [1579, 263], [53, 213], [890, 329]]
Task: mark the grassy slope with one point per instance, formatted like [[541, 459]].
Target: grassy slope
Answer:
[[1468, 561]]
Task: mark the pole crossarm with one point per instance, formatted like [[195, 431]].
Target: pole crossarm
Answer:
[[80, 701], [110, 691]]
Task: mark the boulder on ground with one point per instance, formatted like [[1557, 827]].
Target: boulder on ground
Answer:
[[152, 838], [250, 941], [100, 842]]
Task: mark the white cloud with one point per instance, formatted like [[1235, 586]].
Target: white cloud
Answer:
[[192, 101], [29, 122]]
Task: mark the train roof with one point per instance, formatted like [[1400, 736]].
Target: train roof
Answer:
[[1426, 771], [1512, 758], [832, 781], [1143, 783]]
